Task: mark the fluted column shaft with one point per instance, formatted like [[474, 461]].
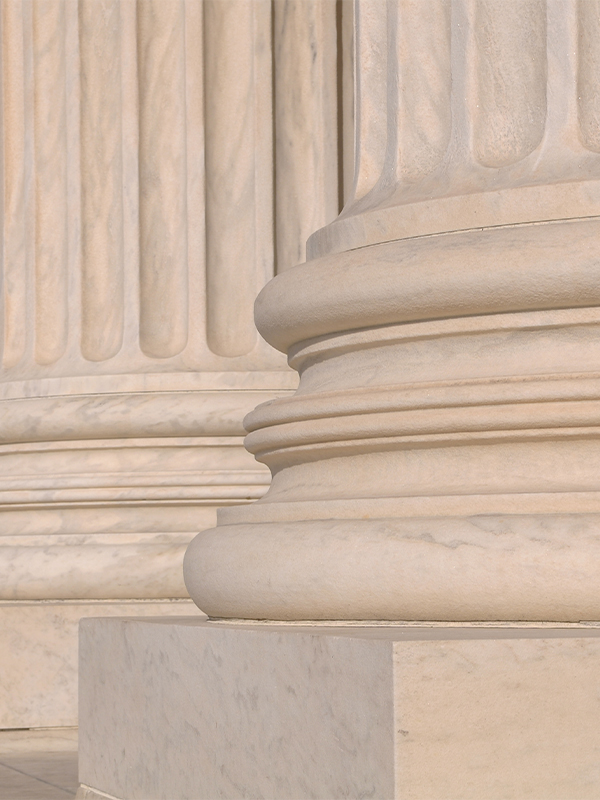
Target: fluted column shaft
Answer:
[[440, 459], [140, 221], [490, 118]]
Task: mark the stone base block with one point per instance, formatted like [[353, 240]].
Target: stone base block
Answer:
[[38, 655], [180, 709]]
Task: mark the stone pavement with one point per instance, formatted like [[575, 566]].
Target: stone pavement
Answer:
[[38, 764]]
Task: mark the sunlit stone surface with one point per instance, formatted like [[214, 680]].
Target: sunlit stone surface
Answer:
[[440, 458], [139, 224], [432, 523]]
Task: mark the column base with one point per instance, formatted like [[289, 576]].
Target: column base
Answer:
[[181, 708]]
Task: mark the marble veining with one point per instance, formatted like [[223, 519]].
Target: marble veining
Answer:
[[139, 224], [239, 701], [44, 634], [431, 327], [293, 712]]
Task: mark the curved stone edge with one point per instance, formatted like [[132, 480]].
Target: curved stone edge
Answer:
[[342, 435], [493, 271], [145, 569], [359, 227], [490, 567], [88, 793], [443, 505], [111, 518], [127, 415]]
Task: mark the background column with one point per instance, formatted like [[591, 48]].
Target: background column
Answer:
[[140, 221]]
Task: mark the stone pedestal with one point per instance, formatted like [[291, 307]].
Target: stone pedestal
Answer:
[[188, 710]]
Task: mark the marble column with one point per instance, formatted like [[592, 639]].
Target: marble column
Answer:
[[440, 458], [140, 220]]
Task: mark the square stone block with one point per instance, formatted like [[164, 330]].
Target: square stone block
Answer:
[[180, 709]]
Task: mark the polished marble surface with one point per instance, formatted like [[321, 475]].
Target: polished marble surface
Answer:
[[180, 709]]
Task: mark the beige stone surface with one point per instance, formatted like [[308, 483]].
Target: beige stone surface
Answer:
[[390, 711], [52, 776], [439, 458], [139, 222], [438, 463], [36, 741], [306, 156], [234, 709], [87, 793], [116, 396], [38, 642], [38, 764], [14, 785], [113, 516], [485, 114]]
